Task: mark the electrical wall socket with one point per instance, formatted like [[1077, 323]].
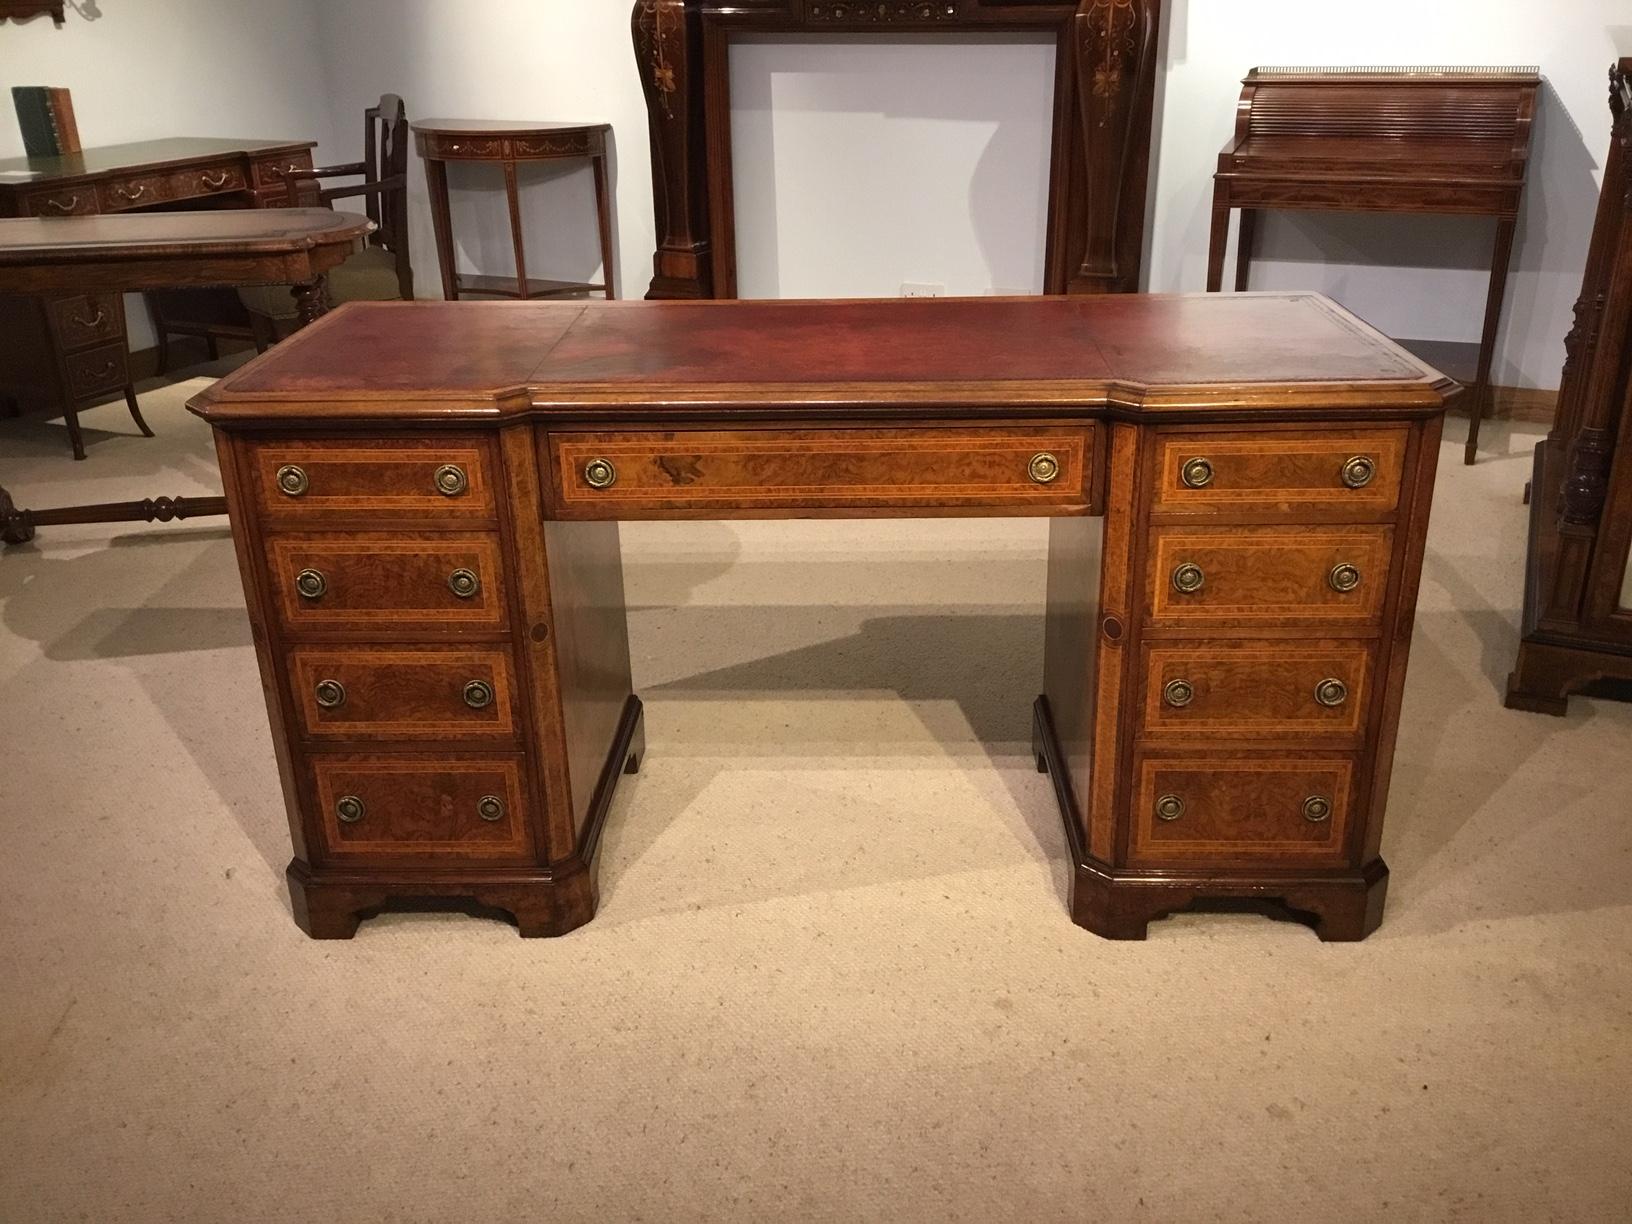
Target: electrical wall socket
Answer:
[[912, 289]]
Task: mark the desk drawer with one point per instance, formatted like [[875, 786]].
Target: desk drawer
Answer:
[[1268, 576], [1240, 690], [1022, 469], [63, 202], [134, 191], [458, 809], [1280, 471], [96, 370], [1218, 808], [357, 583], [94, 318], [409, 479], [369, 693], [205, 181]]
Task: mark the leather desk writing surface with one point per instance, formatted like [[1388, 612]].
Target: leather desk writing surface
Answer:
[[425, 500]]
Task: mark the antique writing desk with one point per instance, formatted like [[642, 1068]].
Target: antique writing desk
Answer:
[[58, 350], [425, 500], [94, 259]]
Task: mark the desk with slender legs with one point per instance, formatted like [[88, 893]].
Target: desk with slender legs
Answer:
[[128, 254], [425, 500]]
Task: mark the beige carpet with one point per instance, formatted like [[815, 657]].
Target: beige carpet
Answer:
[[832, 977]]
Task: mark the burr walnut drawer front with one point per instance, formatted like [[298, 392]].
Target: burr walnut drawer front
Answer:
[[205, 180], [403, 479], [1221, 808], [94, 318], [1279, 471], [96, 370], [1248, 689], [360, 583], [617, 475], [372, 693], [1267, 576], [460, 808]]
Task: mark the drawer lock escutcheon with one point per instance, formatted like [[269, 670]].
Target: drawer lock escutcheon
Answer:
[[292, 480], [349, 809], [1179, 693], [1331, 693], [478, 694], [1344, 578], [600, 474], [1197, 473], [311, 584], [1189, 578], [490, 808], [1044, 468], [464, 583], [451, 480], [330, 694], [1169, 807], [1359, 471], [1317, 809]]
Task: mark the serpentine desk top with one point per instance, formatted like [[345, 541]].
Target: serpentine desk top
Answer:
[[1269, 354]]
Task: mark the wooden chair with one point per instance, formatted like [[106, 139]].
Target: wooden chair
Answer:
[[381, 271]]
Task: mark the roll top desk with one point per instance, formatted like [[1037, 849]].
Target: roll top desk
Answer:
[[425, 501]]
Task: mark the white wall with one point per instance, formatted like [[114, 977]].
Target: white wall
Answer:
[[143, 69]]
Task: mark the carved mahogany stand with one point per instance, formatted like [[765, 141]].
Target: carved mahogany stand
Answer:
[[1104, 95]]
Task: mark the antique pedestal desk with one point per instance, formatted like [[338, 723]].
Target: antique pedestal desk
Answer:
[[425, 500]]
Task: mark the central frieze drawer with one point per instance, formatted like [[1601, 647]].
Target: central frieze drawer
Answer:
[[409, 478], [1222, 808], [1026, 469], [1245, 690], [380, 584], [1268, 576], [376, 694], [447, 808]]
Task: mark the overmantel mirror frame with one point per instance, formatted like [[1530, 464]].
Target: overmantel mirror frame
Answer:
[[1104, 100]]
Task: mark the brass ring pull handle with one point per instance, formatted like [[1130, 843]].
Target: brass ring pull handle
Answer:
[[129, 195], [331, 694], [311, 584], [1189, 578], [464, 583], [478, 694], [451, 480], [600, 474], [1169, 807], [1359, 471], [349, 809], [1043, 469], [1344, 578], [1331, 693], [1197, 473], [490, 808], [59, 206], [92, 323], [292, 480], [1179, 693], [1317, 809], [214, 181]]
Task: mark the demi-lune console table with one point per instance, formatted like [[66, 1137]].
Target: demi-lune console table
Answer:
[[425, 500]]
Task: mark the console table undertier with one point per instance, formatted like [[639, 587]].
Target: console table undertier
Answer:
[[425, 500]]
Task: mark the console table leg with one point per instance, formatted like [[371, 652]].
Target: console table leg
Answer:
[[1218, 243], [1243, 256], [1479, 393]]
